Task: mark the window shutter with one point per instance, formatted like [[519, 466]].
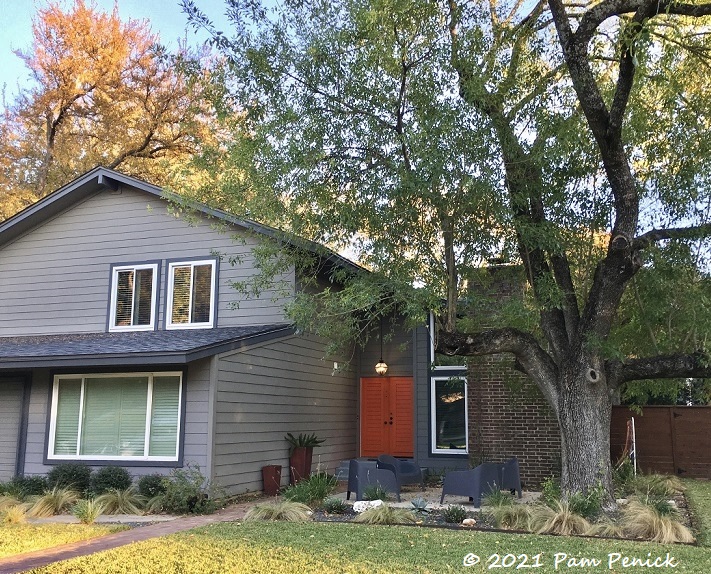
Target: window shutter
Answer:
[[114, 416], [202, 293], [181, 295], [164, 417], [67, 425], [124, 298]]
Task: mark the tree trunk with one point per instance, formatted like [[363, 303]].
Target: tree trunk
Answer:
[[584, 414]]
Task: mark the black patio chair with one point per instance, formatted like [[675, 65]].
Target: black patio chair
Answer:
[[474, 483], [406, 472], [362, 474]]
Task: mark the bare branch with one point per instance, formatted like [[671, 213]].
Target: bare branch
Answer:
[[678, 366], [654, 235]]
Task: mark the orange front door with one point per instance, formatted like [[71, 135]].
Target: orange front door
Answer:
[[386, 411]]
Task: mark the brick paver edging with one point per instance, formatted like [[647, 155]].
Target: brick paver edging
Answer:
[[39, 558]]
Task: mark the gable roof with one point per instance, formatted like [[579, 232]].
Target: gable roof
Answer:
[[101, 178], [177, 347]]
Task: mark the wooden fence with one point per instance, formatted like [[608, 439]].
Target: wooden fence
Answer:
[[670, 440]]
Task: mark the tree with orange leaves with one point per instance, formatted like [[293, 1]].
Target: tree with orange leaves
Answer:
[[105, 93]]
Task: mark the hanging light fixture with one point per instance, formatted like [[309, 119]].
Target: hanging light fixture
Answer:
[[381, 367]]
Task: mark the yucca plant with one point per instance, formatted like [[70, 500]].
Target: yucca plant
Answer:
[[511, 516], [127, 501], [385, 514], [498, 498], [557, 519], [87, 510], [286, 510], [335, 505], [375, 492], [640, 520], [14, 514], [53, 502]]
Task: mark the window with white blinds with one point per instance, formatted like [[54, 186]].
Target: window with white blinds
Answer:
[[191, 294], [116, 417], [133, 297]]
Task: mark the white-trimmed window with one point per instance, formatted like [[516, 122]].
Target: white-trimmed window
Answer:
[[126, 416], [448, 400], [442, 362], [133, 297], [191, 294]]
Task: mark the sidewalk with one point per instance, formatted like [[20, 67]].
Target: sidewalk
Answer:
[[39, 558]]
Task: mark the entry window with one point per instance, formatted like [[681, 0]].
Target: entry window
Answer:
[[116, 417], [133, 297], [449, 415], [191, 294]]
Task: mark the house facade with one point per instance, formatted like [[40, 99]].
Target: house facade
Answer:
[[123, 342]]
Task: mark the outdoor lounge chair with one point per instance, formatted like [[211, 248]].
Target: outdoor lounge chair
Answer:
[[511, 477], [406, 472], [473, 483], [363, 474]]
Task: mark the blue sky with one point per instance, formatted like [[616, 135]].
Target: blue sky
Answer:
[[165, 16]]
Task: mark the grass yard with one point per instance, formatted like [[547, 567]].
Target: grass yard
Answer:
[[18, 538], [258, 548], [699, 496]]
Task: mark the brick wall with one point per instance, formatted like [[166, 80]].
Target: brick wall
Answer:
[[509, 417]]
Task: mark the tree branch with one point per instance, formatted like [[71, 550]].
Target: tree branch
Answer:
[[646, 239], [677, 366]]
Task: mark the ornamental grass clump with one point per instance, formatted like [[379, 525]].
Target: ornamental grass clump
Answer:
[[640, 520], [286, 510], [54, 502], [14, 514], [557, 519], [335, 505], [87, 510], [606, 528], [127, 501], [384, 514], [511, 516], [312, 490]]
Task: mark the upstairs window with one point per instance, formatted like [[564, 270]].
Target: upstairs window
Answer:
[[191, 294], [133, 297]]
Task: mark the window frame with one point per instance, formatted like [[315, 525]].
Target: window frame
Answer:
[[170, 266], [433, 367], [113, 296], [433, 416], [50, 457]]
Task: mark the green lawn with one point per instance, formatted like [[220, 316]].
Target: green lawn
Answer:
[[18, 538], [262, 548], [699, 496]]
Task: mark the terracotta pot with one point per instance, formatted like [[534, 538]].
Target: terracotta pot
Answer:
[[300, 463]]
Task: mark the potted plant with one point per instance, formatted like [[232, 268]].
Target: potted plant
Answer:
[[301, 450]]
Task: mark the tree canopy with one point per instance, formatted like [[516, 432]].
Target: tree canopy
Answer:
[[429, 137], [105, 92]]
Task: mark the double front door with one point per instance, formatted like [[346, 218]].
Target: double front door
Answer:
[[386, 415]]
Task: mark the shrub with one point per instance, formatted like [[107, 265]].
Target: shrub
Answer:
[[385, 514], [87, 510], [23, 486], [335, 505], [656, 485], [513, 516], [152, 485], [73, 475], [454, 514], [587, 505], [188, 492], [641, 520], [286, 510], [375, 492], [558, 519], [623, 476], [54, 502], [127, 501], [110, 478], [550, 491], [312, 490]]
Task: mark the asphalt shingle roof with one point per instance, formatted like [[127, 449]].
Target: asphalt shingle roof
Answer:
[[178, 346]]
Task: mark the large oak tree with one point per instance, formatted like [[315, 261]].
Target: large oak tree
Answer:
[[429, 136]]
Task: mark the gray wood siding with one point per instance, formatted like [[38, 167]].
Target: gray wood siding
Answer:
[[56, 278], [195, 422], [11, 391], [269, 390]]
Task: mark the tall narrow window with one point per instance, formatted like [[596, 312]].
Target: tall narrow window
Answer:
[[449, 415], [133, 297], [191, 294]]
